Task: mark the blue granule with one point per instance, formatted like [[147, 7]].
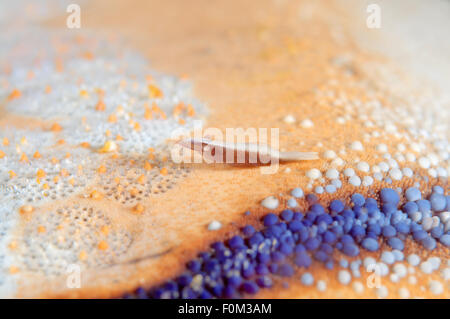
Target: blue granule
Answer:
[[245, 264]]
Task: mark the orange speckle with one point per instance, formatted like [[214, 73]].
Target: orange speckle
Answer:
[[88, 55], [13, 270], [108, 133], [82, 255], [179, 109], [14, 94], [48, 89], [164, 171], [41, 229], [54, 160], [148, 115], [24, 158], [5, 141], [84, 93], [154, 91], [112, 118], [68, 155], [109, 146], [138, 209], [147, 166], [134, 191], [119, 138], [56, 179], [102, 169], [64, 172], [37, 155], [141, 179], [40, 173], [85, 145], [104, 230], [95, 195], [102, 245], [45, 186], [56, 127], [190, 110], [12, 245], [72, 181], [2, 154], [181, 121], [26, 209], [12, 174], [137, 126], [61, 142], [157, 110], [100, 106]]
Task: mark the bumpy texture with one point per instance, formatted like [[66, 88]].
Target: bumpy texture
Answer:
[[87, 180]]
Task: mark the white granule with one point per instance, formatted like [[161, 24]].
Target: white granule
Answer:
[[313, 173], [332, 173], [355, 180], [363, 167], [270, 202], [382, 148], [367, 181], [357, 146], [289, 119], [349, 172], [424, 162], [307, 123], [214, 225], [329, 154], [395, 174]]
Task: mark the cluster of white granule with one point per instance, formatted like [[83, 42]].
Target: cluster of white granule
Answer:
[[405, 135]]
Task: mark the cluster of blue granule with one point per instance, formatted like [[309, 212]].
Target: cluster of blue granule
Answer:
[[246, 263]]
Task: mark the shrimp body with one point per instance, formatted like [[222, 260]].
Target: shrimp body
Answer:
[[243, 153]]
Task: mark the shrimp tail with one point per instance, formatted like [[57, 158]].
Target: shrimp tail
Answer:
[[298, 156]]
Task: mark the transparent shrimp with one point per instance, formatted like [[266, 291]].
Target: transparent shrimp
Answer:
[[243, 153]]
